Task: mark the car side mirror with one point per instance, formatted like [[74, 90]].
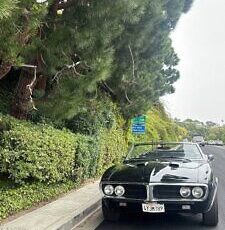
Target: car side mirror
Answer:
[[211, 157]]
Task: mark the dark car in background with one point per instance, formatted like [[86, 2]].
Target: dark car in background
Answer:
[[199, 140], [161, 178]]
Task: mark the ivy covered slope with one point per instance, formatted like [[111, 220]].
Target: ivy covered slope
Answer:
[[160, 127]]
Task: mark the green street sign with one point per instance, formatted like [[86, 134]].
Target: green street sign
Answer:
[[139, 120]]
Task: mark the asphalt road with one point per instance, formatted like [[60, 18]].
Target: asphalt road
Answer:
[[168, 222]]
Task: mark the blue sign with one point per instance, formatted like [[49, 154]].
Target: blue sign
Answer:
[[138, 128], [138, 124]]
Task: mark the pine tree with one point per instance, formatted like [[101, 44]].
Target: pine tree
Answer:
[[121, 47]]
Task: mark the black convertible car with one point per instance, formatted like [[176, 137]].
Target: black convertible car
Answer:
[[161, 178]]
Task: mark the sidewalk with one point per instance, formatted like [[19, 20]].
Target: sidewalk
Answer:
[[61, 214]]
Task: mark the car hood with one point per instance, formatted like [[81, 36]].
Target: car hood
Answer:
[[155, 172]]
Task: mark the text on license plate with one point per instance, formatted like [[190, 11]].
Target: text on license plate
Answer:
[[153, 208]]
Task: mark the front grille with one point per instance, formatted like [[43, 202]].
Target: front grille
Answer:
[[166, 192], [135, 191], [172, 192]]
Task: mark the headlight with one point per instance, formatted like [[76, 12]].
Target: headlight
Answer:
[[108, 190], [197, 192], [119, 190], [185, 192]]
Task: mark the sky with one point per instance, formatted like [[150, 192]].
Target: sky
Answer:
[[199, 40]]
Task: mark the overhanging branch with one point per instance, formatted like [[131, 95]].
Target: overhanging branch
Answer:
[[133, 63]]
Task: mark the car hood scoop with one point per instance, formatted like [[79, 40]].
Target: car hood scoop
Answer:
[[175, 164]]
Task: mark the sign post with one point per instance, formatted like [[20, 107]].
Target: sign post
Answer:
[[138, 124]]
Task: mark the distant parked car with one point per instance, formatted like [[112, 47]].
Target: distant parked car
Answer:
[[216, 142], [199, 140], [161, 178], [211, 142], [219, 143]]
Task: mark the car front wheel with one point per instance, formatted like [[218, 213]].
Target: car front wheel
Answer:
[[211, 218], [110, 213]]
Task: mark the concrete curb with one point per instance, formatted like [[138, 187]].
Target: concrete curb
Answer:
[[79, 217]]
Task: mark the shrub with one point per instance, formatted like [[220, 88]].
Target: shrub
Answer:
[[112, 146], [39, 152], [96, 115], [86, 158]]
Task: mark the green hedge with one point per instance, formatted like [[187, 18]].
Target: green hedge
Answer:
[[37, 152], [41, 162], [87, 155], [31, 152], [112, 147]]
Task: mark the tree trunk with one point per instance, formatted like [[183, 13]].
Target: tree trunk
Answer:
[[41, 83], [4, 69], [22, 103]]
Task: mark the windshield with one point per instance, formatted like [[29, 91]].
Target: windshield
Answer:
[[165, 151]]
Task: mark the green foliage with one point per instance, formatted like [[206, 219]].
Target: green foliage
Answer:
[[97, 114], [216, 133], [39, 152], [209, 130], [6, 8], [15, 198], [86, 162], [124, 43], [107, 144], [194, 128], [19, 23], [112, 146]]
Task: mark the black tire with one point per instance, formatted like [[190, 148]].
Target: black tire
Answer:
[[211, 217], [110, 213]]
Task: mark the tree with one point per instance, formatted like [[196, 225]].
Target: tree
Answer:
[[121, 46]]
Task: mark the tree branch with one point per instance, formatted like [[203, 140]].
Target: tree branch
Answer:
[[31, 85], [133, 63], [104, 86], [127, 98]]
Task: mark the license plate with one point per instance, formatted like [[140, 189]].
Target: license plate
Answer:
[[153, 208]]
